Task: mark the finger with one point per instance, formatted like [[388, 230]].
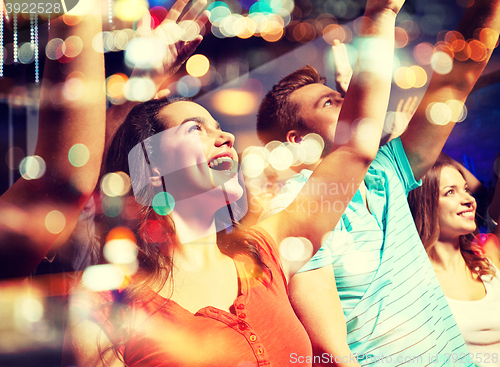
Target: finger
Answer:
[[195, 10], [162, 93], [336, 50], [414, 104], [188, 49], [203, 19], [399, 108], [343, 50], [406, 107], [176, 10]]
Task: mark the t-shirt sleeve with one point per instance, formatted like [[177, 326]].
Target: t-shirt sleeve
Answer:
[[392, 158]]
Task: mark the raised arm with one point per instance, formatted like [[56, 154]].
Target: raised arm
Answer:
[[40, 213], [357, 136], [424, 139]]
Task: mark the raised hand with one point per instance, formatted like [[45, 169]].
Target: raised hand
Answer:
[[409, 107], [180, 36], [343, 69], [375, 6], [404, 112]]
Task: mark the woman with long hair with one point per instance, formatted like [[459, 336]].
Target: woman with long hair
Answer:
[[444, 213], [207, 293]]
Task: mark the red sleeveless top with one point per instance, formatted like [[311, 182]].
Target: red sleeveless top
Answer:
[[261, 330]]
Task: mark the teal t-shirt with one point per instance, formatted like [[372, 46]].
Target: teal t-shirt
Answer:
[[395, 310]]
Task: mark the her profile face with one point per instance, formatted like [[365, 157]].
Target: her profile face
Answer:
[[457, 208], [193, 156]]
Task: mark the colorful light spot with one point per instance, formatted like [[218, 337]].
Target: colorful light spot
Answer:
[[441, 62], [420, 76], [115, 184], [120, 251], [197, 65], [32, 309], [332, 32], [188, 86], [311, 148], [115, 85], [484, 242], [438, 113], [423, 53], [235, 102], [26, 53], [74, 46], [404, 78], [477, 51], [401, 38], [112, 206], [489, 37], [145, 53], [163, 203], [103, 277], [458, 110], [281, 158], [169, 33], [78, 155], [139, 89], [254, 161], [130, 10], [152, 232], [32, 167], [296, 249], [54, 48], [189, 30], [55, 222]]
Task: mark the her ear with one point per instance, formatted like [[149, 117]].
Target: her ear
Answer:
[[293, 136], [155, 179]]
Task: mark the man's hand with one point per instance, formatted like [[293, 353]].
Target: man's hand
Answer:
[[343, 69]]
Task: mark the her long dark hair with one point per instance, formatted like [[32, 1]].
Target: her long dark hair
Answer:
[[155, 266], [424, 206]]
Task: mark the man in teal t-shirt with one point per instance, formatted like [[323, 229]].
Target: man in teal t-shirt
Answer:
[[382, 303]]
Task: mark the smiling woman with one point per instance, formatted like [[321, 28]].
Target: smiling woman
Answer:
[[444, 213]]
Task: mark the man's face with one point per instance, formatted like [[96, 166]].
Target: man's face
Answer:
[[319, 109]]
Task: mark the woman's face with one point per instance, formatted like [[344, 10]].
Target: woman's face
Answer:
[[195, 155], [457, 207]]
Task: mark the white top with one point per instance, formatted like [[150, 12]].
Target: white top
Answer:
[[479, 322]]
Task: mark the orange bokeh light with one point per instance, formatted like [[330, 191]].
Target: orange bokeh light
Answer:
[[478, 51], [401, 38], [423, 53], [489, 37]]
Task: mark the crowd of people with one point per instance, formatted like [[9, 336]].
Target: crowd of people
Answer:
[[209, 291]]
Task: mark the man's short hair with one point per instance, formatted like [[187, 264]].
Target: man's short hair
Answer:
[[277, 114]]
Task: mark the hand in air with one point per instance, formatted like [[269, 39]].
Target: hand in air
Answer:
[[343, 70], [407, 108], [375, 6], [181, 37]]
